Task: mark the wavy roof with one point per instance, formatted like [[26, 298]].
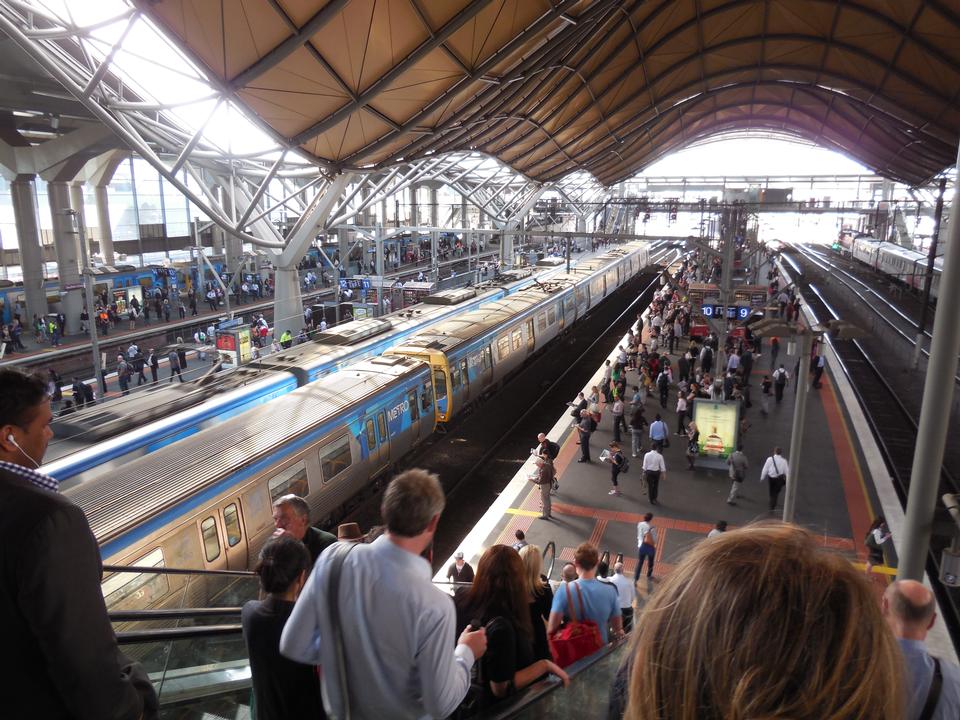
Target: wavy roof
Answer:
[[604, 86]]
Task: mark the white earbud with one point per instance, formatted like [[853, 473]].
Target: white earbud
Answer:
[[22, 451]]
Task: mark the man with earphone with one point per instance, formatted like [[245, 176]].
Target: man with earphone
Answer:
[[59, 656]]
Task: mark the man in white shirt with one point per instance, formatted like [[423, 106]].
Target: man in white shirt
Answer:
[[654, 470], [626, 593], [399, 653], [646, 545], [775, 471]]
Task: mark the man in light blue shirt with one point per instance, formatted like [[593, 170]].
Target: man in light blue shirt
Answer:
[[659, 431], [910, 611], [397, 627], [600, 601]]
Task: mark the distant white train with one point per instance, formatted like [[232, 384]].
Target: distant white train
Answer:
[[899, 263]]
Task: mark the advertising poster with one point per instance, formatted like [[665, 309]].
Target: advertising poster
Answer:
[[719, 426], [243, 335]]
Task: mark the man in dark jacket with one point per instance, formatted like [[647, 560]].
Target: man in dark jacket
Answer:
[[60, 657]]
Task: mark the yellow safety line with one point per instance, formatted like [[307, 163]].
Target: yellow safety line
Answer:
[[520, 511], [879, 569]]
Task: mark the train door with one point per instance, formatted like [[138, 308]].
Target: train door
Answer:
[[383, 435], [440, 392], [531, 338], [465, 380], [370, 439], [231, 515]]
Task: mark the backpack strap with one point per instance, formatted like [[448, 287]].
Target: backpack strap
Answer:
[[933, 696], [341, 551], [570, 605]]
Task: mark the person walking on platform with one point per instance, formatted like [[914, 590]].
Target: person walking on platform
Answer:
[[638, 424], [765, 386], [659, 432], [646, 545], [739, 464], [654, 470], [618, 421], [780, 378], [617, 464], [818, 364], [774, 350], [174, 359], [877, 535], [681, 414], [775, 471], [154, 364], [585, 429], [543, 478]]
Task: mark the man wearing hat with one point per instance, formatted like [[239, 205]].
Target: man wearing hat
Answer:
[[459, 571], [349, 532]]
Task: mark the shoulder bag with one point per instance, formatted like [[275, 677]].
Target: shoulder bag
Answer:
[[341, 551], [578, 638]]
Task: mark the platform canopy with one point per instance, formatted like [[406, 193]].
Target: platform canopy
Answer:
[[555, 86]]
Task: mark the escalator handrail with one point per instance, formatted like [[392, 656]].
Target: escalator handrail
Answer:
[[160, 570], [172, 614], [168, 634]]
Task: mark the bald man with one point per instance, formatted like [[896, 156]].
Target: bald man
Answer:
[[910, 611]]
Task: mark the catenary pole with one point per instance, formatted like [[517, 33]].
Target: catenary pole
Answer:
[[935, 409]]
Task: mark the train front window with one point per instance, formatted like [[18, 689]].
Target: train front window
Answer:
[[440, 382]]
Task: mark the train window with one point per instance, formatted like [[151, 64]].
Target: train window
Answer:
[[464, 372], [551, 315], [231, 521], [517, 338], [291, 480], [414, 408], [426, 396], [455, 377], [440, 382], [335, 457], [382, 426], [541, 321], [126, 590], [503, 347], [211, 540], [371, 435], [486, 358]]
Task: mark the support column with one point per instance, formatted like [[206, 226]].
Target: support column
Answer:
[[434, 208], [287, 302], [103, 224], [464, 213], [414, 207], [935, 410], [233, 245], [23, 192], [68, 251]]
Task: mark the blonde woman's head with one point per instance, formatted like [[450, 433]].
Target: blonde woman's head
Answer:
[[533, 565], [762, 623]]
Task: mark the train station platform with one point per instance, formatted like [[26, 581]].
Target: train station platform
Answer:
[[843, 485]]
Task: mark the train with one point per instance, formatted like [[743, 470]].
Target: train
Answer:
[[119, 283], [901, 264], [110, 435], [205, 502]]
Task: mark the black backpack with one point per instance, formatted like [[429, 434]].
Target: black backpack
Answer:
[[553, 449]]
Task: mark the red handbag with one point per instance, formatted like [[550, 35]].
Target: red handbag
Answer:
[[576, 639]]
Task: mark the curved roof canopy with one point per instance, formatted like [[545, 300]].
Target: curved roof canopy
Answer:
[[552, 87]]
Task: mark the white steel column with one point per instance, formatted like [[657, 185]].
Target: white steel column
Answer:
[[103, 223], [23, 191], [68, 251]]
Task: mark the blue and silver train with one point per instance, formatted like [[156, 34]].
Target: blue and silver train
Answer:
[[107, 436], [206, 501]]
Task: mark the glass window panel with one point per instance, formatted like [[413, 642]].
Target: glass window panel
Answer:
[[211, 540], [231, 521], [290, 480], [335, 457], [371, 436]]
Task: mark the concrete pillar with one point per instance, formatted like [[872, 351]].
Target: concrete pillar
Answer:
[[414, 207], [434, 208], [103, 223], [67, 244], [287, 302], [23, 192]]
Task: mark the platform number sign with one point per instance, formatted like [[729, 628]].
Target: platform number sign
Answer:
[[732, 312]]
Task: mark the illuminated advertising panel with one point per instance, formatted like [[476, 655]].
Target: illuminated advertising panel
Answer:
[[719, 426]]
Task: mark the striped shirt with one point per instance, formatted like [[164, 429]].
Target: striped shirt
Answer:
[[44, 482]]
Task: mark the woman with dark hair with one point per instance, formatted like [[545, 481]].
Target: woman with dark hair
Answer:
[[281, 688], [499, 599]]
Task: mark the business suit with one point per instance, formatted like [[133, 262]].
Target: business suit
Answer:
[[60, 657]]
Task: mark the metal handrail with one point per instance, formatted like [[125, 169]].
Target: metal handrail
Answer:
[[172, 613], [175, 571], [187, 633]]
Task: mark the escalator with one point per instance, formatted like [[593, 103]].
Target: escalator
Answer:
[[197, 659]]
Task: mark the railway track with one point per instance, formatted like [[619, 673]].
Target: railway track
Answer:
[[894, 426]]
